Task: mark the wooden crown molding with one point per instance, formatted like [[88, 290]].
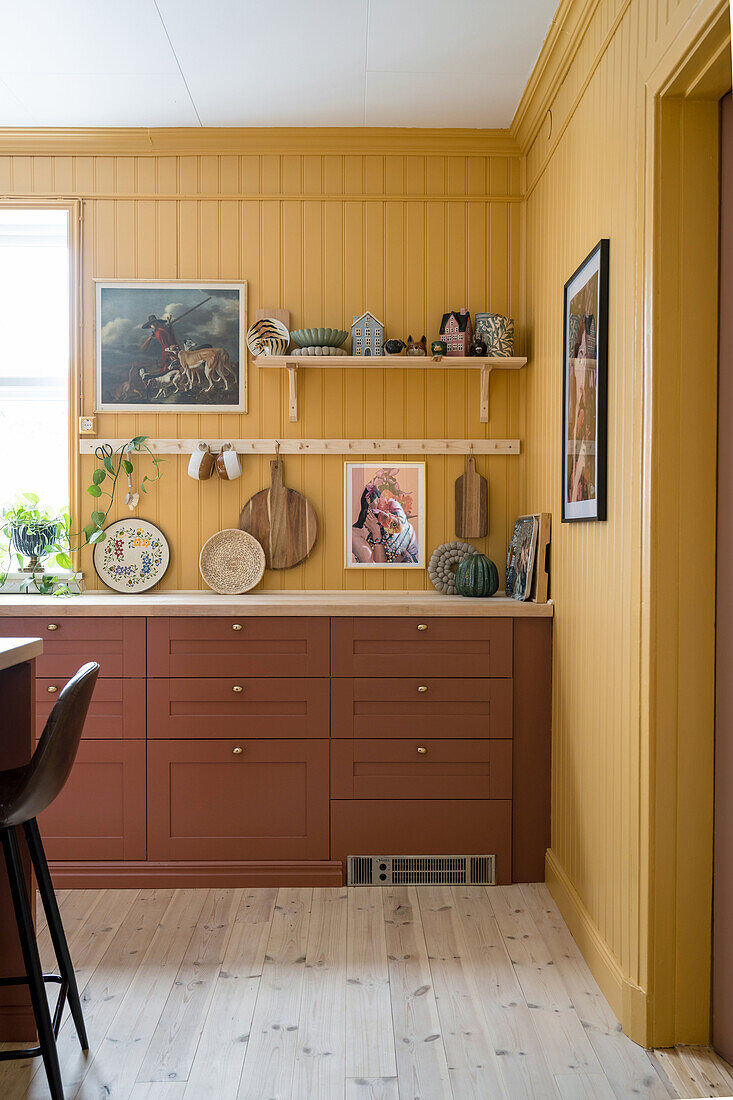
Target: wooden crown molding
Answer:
[[563, 39], [255, 140]]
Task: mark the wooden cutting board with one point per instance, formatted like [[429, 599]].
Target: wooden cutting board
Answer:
[[283, 521], [472, 503]]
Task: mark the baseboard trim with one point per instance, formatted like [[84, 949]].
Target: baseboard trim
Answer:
[[628, 1001], [100, 875]]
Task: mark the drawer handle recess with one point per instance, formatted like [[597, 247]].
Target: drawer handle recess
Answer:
[[237, 688], [421, 749], [422, 688], [422, 626], [236, 626], [52, 626], [52, 689], [237, 750]]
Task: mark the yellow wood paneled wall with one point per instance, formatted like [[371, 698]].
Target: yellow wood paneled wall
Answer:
[[326, 235], [585, 179]]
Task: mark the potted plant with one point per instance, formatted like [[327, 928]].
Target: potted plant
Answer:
[[39, 533], [34, 532]]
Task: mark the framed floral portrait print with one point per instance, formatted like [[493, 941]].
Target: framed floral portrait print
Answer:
[[385, 515], [585, 389]]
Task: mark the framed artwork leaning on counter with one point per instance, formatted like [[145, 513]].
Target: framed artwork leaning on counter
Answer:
[[170, 347], [384, 515]]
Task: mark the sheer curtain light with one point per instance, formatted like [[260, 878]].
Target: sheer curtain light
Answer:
[[34, 367]]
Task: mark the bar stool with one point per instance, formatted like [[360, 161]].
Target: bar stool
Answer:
[[24, 793]]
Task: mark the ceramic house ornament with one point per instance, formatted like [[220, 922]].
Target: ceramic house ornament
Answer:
[[457, 331], [367, 335]]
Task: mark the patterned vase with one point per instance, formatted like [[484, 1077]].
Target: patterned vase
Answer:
[[497, 333]]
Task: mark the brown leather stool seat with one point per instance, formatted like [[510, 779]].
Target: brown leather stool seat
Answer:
[[24, 793]]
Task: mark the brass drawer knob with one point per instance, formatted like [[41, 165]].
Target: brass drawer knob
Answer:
[[236, 626], [237, 688], [422, 626], [237, 750], [52, 626], [421, 749], [52, 689], [422, 688]]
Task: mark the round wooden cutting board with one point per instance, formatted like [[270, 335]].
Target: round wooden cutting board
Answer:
[[283, 521]]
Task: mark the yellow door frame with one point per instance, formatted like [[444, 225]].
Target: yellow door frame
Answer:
[[679, 312]]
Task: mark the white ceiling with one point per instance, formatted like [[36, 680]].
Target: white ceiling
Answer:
[[268, 62]]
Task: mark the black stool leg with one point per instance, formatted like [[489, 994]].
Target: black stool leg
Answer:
[[26, 932], [55, 926]]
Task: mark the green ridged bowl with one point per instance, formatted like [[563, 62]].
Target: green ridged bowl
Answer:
[[318, 337]]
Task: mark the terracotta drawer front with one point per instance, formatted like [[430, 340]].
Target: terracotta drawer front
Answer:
[[421, 768], [117, 643], [421, 647], [222, 646], [437, 827], [117, 710], [243, 707], [268, 802], [449, 708], [100, 813]]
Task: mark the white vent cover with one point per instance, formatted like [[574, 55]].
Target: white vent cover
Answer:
[[421, 871]]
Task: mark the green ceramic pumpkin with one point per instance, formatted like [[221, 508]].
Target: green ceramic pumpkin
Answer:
[[477, 575]]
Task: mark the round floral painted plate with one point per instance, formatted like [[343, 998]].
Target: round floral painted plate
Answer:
[[133, 557]]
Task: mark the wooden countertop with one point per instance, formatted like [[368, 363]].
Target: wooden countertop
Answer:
[[14, 651], [273, 603]]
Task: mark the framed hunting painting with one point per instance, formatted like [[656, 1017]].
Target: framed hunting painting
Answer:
[[171, 347], [585, 389]]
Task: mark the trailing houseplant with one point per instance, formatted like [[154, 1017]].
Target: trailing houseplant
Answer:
[[39, 533]]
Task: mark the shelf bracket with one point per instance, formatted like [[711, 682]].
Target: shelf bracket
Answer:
[[485, 378], [292, 393]]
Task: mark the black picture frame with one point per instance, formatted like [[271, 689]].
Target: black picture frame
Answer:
[[585, 384]]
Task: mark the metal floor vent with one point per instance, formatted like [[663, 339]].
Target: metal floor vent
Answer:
[[421, 871]]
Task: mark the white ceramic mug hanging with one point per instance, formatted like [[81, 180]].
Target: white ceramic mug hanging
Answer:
[[228, 466], [201, 463]]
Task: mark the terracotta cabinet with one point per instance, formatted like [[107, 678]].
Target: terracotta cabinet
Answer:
[[421, 647], [100, 814], [68, 642], [264, 749], [213, 646], [117, 710], [243, 706], [238, 799]]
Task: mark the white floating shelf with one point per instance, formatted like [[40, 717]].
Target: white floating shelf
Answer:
[[357, 447], [292, 363]]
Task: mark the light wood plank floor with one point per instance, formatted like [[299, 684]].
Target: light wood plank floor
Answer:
[[428, 993]]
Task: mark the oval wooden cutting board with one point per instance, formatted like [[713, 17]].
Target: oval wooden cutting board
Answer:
[[283, 521]]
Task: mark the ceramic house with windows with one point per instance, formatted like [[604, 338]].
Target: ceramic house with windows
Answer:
[[367, 335], [457, 331]]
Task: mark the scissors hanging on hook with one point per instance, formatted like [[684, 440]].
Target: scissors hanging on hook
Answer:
[[103, 451]]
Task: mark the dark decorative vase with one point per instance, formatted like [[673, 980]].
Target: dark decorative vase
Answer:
[[33, 542]]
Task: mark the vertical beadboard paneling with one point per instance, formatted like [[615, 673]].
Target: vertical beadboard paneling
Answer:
[[584, 182], [326, 236]]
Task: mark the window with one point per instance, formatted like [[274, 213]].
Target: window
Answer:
[[34, 367]]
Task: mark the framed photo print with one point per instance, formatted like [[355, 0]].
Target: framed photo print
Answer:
[[521, 558], [385, 516], [585, 389], [171, 347]]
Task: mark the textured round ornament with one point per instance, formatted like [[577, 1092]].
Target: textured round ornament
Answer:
[[443, 562], [133, 557], [232, 562]]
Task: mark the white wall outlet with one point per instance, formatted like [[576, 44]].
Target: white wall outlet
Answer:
[[87, 425]]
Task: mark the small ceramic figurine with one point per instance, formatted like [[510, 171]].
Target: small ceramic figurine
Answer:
[[439, 347], [477, 347], [417, 347], [394, 347]]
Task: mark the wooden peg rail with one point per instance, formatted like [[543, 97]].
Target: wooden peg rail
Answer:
[[356, 447]]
